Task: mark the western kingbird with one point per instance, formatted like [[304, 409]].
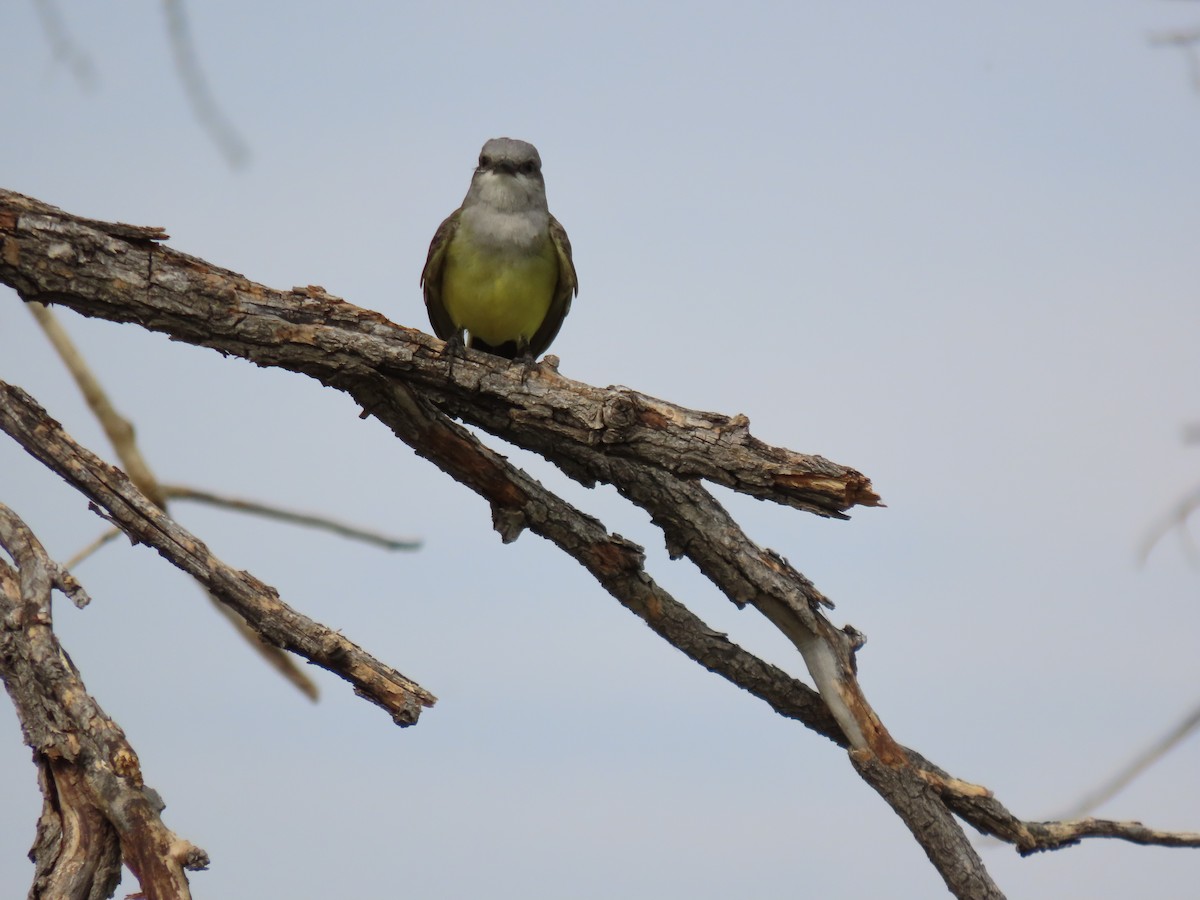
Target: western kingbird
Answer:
[[499, 268]]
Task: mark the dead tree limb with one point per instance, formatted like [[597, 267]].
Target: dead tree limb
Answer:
[[96, 811], [120, 434], [307, 330], [655, 453], [117, 499]]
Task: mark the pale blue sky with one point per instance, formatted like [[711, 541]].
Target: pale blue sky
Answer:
[[952, 245]]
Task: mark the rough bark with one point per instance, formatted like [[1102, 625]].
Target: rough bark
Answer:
[[96, 809], [257, 603], [120, 272], [655, 453]]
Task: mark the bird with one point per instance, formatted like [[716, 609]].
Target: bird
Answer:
[[499, 267]]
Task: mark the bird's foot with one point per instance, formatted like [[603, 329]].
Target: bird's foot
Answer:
[[455, 346], [528, 363]]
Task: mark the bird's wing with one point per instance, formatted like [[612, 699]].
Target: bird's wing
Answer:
[[567, 287], [431, 277]]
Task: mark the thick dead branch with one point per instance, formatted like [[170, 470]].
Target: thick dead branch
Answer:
[[940, 836], [554, 414], [653, 452], [695, 525], [575, 425], [258, 604], [520, 502], [96, 811], [97, 269]]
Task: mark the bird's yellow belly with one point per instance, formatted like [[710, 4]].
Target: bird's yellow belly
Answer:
[[499, 296]]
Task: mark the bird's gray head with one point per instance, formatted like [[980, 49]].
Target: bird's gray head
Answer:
[[510, 156], [509, 176]]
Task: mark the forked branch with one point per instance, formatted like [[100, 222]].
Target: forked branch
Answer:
[[96, 811], [655, 453]]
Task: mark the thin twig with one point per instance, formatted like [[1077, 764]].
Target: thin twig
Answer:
[[1186, 41], [1174, 519], [64, 48], [1177, 517], [1136, 767], [116, 427], [1053, 835], [106, 537], [310, 520], [195, 85]]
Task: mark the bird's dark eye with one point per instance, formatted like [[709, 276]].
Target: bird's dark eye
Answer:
[[484, 160], [527, 167]]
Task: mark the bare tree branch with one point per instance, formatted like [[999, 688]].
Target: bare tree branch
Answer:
[[120, 434], [655, 453], [117, 499], [340, 345], [930, 822], [96, 810]]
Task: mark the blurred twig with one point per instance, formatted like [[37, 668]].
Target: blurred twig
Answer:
[[1175, 518], [224, 135], [321, 523], [1186, 40], [1140, 764], [182, 492], [64, 48], [195, 86], [116, 427], [91, 548]]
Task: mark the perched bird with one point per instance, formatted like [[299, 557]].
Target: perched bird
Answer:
[[499, 268]]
